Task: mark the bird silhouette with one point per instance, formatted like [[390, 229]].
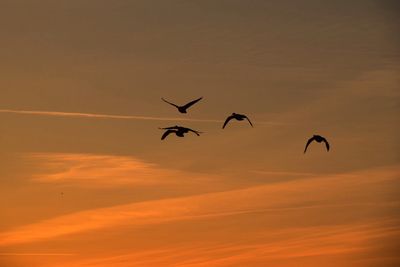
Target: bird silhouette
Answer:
[[238, 117], [183, 109], [178, 130], [318, 139]]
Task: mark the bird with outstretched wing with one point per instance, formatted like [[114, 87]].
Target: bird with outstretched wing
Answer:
[[183, 109]]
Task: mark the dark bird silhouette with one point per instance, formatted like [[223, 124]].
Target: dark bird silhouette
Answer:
[[183, 109], [238, 117], [178, 130], [318, 139]]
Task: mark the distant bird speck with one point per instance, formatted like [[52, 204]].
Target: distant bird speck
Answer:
[[318, 139], [183, 109], [238, 117], [178, 130]]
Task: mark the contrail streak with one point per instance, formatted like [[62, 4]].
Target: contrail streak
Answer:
[[100, 116], [118, 117]]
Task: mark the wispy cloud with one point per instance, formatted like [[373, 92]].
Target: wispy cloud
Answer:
[[305, 194], [284, 173], [98, 170], [119, 117], [288, 245], [101, 116], [37, 254]]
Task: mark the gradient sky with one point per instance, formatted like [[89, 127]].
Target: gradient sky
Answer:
[[87, 182]]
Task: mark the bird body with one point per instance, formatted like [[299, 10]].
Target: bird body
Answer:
[[238, 117], [183, 109], [178, 131], [318, 139]]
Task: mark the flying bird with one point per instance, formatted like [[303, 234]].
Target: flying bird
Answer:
[[178, 130], [318, 139], [183, 109], [238, 117]]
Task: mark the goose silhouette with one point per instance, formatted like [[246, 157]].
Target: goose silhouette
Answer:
[[238, 117], [178, 130], [318, 139], [183, 109]]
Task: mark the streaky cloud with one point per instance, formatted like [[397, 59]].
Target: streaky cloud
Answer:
[[99, 116], [94, 170], [284, 173], [280, 197], [289, 245], [37, 254], [115, 117]]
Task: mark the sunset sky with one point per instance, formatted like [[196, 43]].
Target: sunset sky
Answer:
[[86, 181]]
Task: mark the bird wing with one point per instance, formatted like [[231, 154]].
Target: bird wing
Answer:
[[308, 142], [226, 121], [326, 143], [188, 105], [166, 134], [170, 128], [196, 132], [249, 121], [169, 103]]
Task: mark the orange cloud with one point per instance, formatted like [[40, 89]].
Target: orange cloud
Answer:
[[278, 248], [284, 173], [37, 254], [99, 170], [317, 194]]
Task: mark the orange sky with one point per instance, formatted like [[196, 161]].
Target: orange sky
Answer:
[[87, 182]]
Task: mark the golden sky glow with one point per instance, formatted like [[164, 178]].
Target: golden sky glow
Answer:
[[87, 182]]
